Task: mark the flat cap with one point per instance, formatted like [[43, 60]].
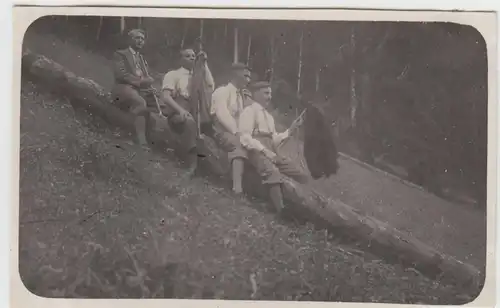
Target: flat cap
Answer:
[[136, 32], [259, 85]]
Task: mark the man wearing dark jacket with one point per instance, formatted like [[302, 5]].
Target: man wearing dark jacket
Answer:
[[133, 85]]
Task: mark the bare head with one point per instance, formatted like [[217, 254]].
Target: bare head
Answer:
[[187, 58], [261, 92], [137, 38], [240, 75]]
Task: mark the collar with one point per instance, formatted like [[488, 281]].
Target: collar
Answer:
[[184, 70], [258, 106], [232, 87], [132, 51]]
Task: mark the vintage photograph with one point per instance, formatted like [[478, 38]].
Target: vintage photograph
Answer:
[[253, 159]]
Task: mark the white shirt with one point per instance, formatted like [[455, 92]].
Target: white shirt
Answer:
[[256, 119], [178, 81], [227, 104]]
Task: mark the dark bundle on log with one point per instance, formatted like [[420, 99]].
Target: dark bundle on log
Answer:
[[339, 217], [201, 94]]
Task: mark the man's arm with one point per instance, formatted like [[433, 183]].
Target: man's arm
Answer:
[[167, 90], [280, 137], [121, 73], [247, 125], [219, 102]]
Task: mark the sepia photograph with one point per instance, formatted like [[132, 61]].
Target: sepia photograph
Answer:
[[257, 158]]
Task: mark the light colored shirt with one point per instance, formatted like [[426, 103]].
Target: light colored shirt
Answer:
[[178, 81], [227, 104], [255, 120]]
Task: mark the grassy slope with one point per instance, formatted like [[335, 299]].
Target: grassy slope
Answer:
[[433, 220], [85, 189]]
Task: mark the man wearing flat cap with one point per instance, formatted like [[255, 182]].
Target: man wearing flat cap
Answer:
[[133, 84], [227, 103], [176, 88], [259, 137]]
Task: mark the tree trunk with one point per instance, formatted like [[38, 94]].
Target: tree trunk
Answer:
[[317, 81], [299, 73], [215, 37], [273, 59], [201, 28], [235, 49], [185, 29], [339, 217], [122, 25], [225, 34], [353, 85], [249, 48], [99, 28]]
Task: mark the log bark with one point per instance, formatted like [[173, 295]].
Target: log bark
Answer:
[[338, 217]]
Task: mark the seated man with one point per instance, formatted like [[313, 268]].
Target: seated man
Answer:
[[133, 85], [227, 104], [259, 137], [179, 109]]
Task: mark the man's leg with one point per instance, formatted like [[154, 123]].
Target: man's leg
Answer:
[[189, 139], [237, 168], [271, 177], [236, 155], [138, 108], [288, 168], [276, 196], [186, 130]]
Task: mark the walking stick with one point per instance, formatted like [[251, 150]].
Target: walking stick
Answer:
[[291, 125], [152, 89], [160, 112]]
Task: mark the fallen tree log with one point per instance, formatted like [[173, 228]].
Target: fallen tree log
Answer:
[[338, 217]]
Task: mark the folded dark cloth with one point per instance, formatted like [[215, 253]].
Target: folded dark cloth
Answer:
[[320, 150]]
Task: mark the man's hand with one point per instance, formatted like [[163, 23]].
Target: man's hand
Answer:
[[202, 55], [271, 155], [184, 114], [148, 81], [246, 93], [295, 125]]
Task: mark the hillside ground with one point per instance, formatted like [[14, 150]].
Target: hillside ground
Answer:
[[89, 199]]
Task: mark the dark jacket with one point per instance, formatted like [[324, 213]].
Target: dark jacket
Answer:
[[124, 68], [320, 151]]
